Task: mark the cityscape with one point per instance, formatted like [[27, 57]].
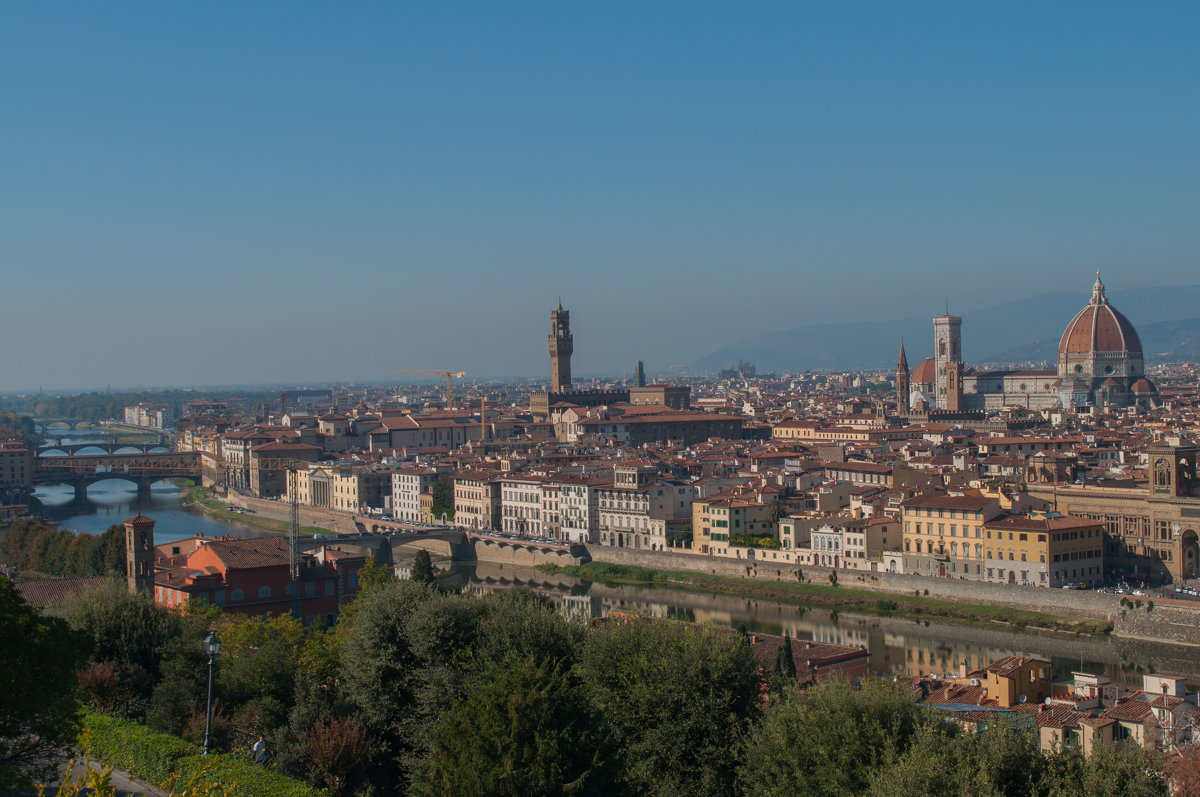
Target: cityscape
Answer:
[[874, 471]]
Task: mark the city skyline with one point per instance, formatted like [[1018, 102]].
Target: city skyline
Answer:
[[277, 194]]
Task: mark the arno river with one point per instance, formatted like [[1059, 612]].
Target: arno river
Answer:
[[900, 647]]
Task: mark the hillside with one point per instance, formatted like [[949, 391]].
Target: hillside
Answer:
[[1021, 331]]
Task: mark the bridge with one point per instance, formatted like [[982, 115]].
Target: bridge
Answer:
[[109, 447], [42, 425], [143, 469]]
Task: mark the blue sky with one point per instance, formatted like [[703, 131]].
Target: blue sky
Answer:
[[276, 192]]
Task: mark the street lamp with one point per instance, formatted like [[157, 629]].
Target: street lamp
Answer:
[[213, 645]]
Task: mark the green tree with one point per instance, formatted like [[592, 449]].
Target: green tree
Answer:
[[830, 740], [127, 629], [422, 568], [783, 670], [379, 667], [526, 728], [443, 498], [38, 712], [676, 699]]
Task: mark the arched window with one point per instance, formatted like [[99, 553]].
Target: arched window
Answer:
[[264, 592], [236, 595]]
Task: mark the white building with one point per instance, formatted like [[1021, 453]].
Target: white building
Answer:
[[407, 486], [521, 506]]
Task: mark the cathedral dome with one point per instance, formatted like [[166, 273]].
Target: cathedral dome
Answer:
[[1099, 327], [926, 372], [1143, 386]]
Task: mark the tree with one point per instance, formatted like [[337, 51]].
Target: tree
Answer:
[[373, 574], [443, 497], [422, 568], [783, 672], [525, 728], [127, 629], [38, 712], [675, 697], [337, 748], [829, 741]]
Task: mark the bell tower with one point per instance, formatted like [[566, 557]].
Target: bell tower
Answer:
[[947, 348], [561, 344], [139, 554], [903, 386]]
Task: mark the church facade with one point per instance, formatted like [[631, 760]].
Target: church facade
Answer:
[[1100, 363]]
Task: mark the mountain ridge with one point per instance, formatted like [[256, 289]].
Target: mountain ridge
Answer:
[[1025, 330]]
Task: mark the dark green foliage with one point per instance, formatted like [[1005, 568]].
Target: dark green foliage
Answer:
[[830, 740], [525, 728], [21, 424], [126, 628], [676, 699], [378, 664], [31, 545], [1005, 760], [422, 568], [443, 498], [783, 671], [38, 659]]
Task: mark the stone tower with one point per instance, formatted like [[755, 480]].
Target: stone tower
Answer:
[[947, 348], [139, 554], [639, 375], [561, 345], [954, 386], [903, 386]]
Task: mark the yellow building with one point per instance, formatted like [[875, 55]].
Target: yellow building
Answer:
[[1044, 550], [943, 534], [716, 519]]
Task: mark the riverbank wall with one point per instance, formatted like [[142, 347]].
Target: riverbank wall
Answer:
[[1169, 619]]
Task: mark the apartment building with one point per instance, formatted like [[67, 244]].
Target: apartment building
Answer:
[[637, 508], [477, 499], [407, 486], [944, 536], [521, 506], [1044, 550]]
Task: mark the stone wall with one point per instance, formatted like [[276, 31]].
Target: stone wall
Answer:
[[337, 522], [1169, 620], [513, 552]]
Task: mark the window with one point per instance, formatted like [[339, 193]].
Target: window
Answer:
[[236, 595], [264, 592]]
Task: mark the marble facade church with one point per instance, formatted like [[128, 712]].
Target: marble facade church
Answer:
[[1100, 363]]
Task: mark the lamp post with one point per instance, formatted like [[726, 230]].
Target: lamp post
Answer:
[[213, 645]]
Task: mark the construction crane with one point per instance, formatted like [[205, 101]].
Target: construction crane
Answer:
[[294, 535], [450, 376]]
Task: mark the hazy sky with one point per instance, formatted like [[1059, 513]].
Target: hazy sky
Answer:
[[251, 192]]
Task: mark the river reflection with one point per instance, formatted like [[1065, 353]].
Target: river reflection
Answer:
[[897, 647], [109, 502]]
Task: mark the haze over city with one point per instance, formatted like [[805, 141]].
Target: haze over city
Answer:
[[281, 192]]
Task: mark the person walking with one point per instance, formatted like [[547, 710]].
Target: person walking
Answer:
[[260, 750]]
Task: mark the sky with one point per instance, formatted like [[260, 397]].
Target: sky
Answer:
[[225, 193]]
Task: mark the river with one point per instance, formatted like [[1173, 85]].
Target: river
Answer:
[[897, 646], [110, 502]]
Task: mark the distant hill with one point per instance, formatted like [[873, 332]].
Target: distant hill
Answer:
[[1020, 331], [1166, 340]]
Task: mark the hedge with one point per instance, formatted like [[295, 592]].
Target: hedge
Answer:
[[159, 758]]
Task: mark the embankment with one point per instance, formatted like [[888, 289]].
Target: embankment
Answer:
[[1168, 619]]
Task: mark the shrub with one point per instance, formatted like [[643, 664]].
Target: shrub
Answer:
[[162, 759], [885, 605], [833, 579]]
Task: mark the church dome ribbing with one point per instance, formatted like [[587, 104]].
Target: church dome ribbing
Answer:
[[1099, 327]]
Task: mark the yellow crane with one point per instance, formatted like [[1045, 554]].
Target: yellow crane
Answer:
[[450, 376]]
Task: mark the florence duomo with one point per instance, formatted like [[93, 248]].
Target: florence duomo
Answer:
[[1099, 364]]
